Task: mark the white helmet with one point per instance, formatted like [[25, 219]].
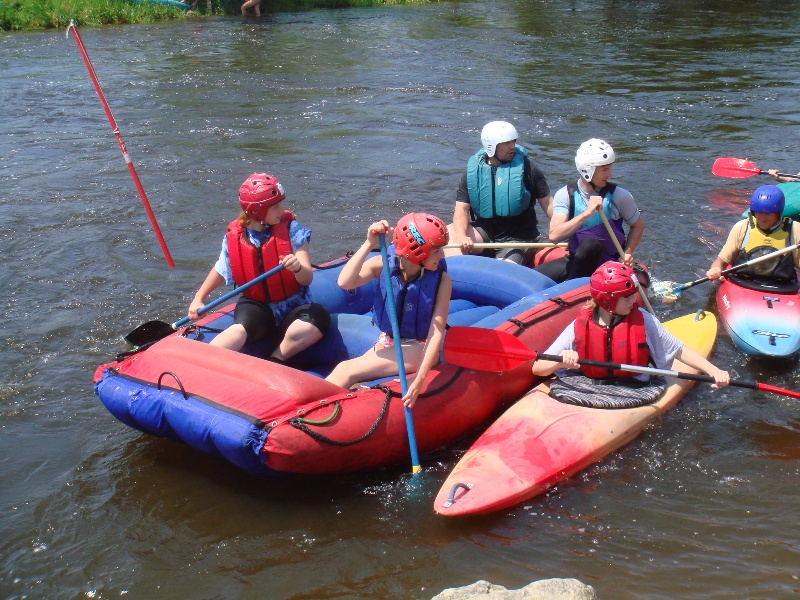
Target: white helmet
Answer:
[[593, 153], [495, 133]]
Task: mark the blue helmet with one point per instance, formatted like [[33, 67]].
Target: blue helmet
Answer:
[[767, 199]]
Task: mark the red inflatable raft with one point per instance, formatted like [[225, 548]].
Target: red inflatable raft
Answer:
[[272, 419]]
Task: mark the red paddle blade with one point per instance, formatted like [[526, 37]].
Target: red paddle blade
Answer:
[[734, 168], [765, 387], [485, 349]]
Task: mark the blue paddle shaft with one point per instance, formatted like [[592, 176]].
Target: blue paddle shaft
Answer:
[[401, 365], [229, 295]]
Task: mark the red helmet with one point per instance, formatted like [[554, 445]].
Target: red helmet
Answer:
[[610, 282], [258, 193], [417, 234]]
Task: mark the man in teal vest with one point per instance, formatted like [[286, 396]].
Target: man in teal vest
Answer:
[[495, 199]]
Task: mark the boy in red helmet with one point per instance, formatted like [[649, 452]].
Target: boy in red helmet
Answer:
[[421, 289], [608, 329], [262, 237]]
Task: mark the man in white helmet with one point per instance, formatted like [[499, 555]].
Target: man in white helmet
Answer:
[[576, 219], [495, 198]]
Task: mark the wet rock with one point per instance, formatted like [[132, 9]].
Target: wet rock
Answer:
[[546, 589]]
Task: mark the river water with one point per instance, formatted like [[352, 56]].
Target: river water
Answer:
[[367, 114]]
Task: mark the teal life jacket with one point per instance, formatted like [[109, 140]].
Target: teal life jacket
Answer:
[[497, 191]]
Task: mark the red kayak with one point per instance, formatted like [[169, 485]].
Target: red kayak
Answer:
[[540, 441]]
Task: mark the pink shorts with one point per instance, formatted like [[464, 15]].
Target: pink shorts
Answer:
[[386, 341]]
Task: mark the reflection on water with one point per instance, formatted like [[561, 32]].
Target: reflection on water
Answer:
[[367, 114], [776, 441]]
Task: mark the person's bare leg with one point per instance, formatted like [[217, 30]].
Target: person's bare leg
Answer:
[[233, 338], [299, 336]]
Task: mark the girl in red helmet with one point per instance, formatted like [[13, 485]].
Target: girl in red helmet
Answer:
[[262, 237], [611, 329], [421, 289]]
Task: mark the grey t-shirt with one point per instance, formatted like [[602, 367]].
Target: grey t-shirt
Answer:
[[622, 204]]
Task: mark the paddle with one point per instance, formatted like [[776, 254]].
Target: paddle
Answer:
[[491, 350], [121, 143], [670, 290], [152, 331], [497, 245], [740, 168], [621, 253], [401, 365]]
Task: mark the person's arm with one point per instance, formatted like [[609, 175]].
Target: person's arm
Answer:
[[774, 174], [562, 228], [538, 188], [299, 263], [547, 206], [545, 368], [433, 344], [632, 240], [665, 348], [693, 358], [460, 225], [213, 281], [563, 346], [716, 268], [356, 272], [728, 252]]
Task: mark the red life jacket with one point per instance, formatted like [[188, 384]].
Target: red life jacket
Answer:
[[625, 342], [248, 262]]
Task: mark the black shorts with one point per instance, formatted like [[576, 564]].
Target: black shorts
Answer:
[[258, 319]]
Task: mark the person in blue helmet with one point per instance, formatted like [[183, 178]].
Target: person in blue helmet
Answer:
[[497, 196], [762, 232]]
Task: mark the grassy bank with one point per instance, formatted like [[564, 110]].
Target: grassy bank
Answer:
[[25, 15], [28, 15]]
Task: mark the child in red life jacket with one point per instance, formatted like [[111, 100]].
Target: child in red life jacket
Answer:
[[261, 238], [421, 288], [637, 337]]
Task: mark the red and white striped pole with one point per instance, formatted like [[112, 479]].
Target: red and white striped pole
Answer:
[[121, 143]]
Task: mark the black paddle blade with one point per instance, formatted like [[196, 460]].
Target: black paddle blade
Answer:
[[149, 332]]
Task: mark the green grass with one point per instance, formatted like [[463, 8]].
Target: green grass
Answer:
[[24, 15], [28, 15]]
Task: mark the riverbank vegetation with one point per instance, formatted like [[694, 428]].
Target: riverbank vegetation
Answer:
[[28, 15]]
